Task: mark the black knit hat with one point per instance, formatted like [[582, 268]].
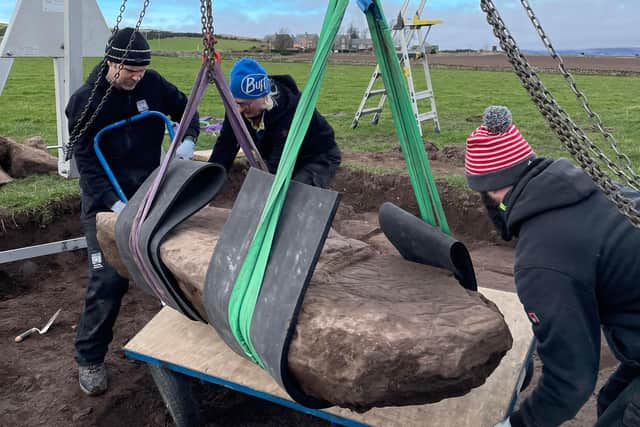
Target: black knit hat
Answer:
[[139, 52]]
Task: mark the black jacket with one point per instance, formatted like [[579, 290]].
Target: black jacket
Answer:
[[576, 271], [319, 144], [133, 150]]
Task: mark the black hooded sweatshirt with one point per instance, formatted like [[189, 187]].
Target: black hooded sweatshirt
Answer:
[[319, 143], [576, 271], [133, 150]]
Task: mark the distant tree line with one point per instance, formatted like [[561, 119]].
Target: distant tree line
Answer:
[[3, 28], [160, 34]]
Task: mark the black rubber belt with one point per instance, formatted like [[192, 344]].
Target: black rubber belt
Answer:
[[420, 242], [188, 186], [303, 226]]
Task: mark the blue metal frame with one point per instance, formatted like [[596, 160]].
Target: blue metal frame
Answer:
[[516, 390], [334, 419], [103, 161]]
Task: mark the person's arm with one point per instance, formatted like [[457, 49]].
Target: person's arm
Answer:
[[566, 324], [280, 138], [320, 131], [226, 146], [93, 179]]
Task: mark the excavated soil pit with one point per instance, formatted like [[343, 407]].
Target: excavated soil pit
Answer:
[[38, 378]]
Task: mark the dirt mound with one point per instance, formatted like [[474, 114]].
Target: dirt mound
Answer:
[[362, 192], [60, 222]]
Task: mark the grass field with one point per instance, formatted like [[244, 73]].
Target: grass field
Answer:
[[192, 44], [27, 109]]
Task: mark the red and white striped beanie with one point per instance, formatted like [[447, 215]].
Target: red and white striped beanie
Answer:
[[497, 154]]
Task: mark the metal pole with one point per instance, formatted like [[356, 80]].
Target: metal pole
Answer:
[[28, 252], [73, 17]]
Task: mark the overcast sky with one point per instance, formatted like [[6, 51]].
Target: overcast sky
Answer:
[[571, 24]]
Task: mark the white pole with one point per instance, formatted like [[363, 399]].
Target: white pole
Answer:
[[72, 45], [72, 78]]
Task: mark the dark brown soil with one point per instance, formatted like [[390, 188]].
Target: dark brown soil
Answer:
[[38, 378]]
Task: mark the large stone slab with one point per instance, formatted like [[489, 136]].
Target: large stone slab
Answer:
[[374, 330]]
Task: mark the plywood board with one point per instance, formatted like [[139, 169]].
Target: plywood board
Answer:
[[203, 155], [172, 338]]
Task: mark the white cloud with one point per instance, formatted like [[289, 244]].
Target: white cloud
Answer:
[[570, 23]]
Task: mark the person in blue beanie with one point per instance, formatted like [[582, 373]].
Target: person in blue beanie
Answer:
[[268, 104]]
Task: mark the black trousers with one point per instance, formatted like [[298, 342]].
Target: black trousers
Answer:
[[102, 303], [320, 171], [619, 399]]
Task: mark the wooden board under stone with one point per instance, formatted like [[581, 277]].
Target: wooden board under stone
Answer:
[[373, 330], [170, 337]]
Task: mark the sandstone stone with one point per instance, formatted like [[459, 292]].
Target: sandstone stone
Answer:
[[373, 330], [36, 142], [20, 160], [4, 177]]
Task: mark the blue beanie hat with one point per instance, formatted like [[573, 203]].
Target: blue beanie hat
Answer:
[[249, 80]]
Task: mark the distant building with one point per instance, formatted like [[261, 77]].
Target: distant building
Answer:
[[342, 43], [305, 41], [361, 44], [282, 42], [268, 41], [414, 51]]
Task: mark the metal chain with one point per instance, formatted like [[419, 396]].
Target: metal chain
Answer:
[[633, 179], [208, 40], [78, 133], [574, 139]]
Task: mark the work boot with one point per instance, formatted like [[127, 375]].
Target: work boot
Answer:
[[93, 379]]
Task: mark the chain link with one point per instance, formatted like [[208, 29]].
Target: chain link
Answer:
[[574, 139], [78, 132], [208, 39], [633, 180]]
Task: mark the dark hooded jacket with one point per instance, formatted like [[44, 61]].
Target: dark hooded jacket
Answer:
[[576, 271], [133, 150], [319, 145]]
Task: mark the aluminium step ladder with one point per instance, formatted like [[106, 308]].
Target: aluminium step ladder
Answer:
[[404, 33]]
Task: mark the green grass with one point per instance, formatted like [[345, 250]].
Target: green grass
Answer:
[[373, 168], [457, 181], [27, 107], [194, 44], [37, 195]]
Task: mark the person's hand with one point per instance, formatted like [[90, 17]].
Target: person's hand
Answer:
[[186, 149], [118, 206], [505, 423]]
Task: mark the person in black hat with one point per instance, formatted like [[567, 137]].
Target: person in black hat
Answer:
[[132, 151]]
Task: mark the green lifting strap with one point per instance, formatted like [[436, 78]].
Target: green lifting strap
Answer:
[[247, 286], [404, 119]]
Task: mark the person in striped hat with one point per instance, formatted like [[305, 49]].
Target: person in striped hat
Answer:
[[497, 153], [576, 273]]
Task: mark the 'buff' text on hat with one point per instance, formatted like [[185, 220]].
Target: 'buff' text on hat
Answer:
[[254, 83]]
